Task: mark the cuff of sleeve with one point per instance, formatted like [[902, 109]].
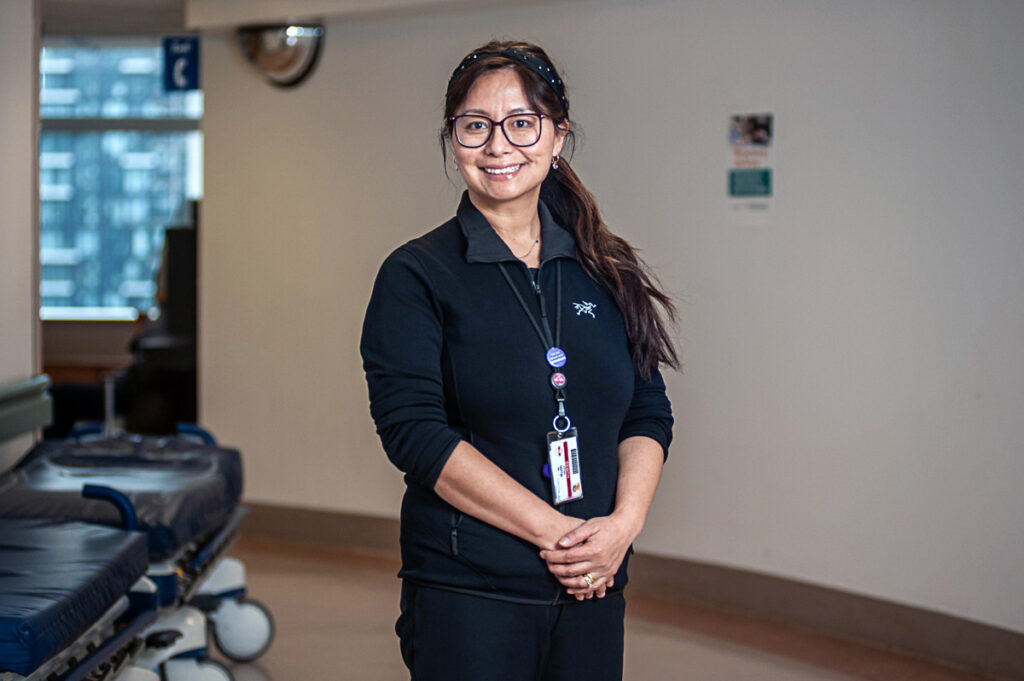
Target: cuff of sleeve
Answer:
[[654, 430], [420, 449], [434, 472]]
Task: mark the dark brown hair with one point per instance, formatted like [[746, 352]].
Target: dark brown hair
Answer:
[[607, 258]]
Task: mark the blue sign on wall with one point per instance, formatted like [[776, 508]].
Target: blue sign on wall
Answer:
[[181, 64]]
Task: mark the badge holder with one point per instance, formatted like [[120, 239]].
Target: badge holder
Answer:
[[564, 459]]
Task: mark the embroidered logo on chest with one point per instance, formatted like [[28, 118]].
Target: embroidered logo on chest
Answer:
[[585, 308]]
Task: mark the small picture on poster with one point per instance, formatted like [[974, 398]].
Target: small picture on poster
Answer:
[[751, 166]]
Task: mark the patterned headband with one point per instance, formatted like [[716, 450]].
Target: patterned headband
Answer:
[[535, 64]]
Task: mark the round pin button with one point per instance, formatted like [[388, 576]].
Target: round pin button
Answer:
[[556, 357], [558, 380]]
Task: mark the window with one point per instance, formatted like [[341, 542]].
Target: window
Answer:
[[119, 161]]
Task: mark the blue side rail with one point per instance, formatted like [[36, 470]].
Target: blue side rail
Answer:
[[96, 428]]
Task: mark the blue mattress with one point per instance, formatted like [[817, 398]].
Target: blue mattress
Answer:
[[56, 579], [181, 489]]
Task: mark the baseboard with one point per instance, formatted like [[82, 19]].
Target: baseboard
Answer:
[[955, 642], [925, 634], [323, 528]]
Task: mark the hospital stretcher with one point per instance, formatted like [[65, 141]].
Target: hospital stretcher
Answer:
[[182, 493], [74, 601]]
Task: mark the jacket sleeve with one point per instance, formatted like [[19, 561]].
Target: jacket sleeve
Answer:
[[650, 412], [401, 349]]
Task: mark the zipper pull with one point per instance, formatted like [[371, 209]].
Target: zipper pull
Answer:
[[535, 282], [540, 302]]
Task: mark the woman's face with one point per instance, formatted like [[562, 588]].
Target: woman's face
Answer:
[[499, 173]]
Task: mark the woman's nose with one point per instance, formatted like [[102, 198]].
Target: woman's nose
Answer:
[[498, 144]]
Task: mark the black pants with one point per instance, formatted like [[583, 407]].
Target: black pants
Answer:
[[448, 636]]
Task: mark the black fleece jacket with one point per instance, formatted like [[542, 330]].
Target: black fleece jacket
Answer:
[[451, 355]]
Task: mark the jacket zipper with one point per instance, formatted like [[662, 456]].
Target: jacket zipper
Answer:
[[535, 283], [454, 532]]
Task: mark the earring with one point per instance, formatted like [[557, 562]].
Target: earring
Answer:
[[554, 163]]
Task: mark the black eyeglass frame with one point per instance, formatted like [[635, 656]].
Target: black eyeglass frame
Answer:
[[498, 124]]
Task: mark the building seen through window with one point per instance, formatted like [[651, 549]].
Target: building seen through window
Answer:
[[119, 161]]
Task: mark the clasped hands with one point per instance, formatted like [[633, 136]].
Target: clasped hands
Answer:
[[594, 547]]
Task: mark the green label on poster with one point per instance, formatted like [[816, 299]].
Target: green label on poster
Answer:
[[750, 182]]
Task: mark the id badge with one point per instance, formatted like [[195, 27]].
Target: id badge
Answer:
[[564, 459]]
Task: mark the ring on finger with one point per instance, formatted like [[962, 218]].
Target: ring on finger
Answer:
[[589, 579]]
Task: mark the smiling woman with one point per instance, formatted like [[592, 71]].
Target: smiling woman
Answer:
[[503, 172], [529, 468]]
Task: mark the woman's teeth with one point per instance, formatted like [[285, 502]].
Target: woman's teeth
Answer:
[[503, 171]]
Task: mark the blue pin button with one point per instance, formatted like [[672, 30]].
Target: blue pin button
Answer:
[[556, 357], [546, 471]]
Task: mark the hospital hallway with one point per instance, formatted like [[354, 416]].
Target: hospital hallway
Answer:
[[335, 611]]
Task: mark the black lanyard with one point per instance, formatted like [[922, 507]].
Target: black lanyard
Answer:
[[554, 355], [543, 332]]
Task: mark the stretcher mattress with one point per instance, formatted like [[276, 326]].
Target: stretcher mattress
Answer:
[[181, 489], [56, 579]]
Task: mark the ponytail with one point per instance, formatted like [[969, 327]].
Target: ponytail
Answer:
[[612, 262]]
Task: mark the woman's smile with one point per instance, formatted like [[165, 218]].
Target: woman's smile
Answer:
[[504, 172]]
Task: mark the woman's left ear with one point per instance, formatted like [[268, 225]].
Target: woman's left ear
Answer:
[[561, 130]]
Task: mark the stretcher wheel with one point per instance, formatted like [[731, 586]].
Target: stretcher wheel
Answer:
[[134, 673], [242, 629], [213, 671], [194, 670]]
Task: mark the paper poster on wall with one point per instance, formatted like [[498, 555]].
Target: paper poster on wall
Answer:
[[751, 167]]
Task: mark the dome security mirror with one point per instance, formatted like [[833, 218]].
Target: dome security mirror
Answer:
[[284, 53]]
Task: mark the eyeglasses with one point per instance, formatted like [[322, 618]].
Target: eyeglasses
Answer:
[[521, 130]]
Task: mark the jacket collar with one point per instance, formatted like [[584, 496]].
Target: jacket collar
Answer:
[[484, 245]]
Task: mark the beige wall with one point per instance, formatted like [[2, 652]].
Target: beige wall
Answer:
[[18, 112], [850, 413]]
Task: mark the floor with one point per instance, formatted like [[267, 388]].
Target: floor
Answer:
[[335, 613]]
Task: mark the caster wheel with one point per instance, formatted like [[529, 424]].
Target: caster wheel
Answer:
[[138, 674], [194, 670], [213, 671], [242, 629]]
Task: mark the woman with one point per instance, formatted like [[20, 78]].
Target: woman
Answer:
[[512, 359]]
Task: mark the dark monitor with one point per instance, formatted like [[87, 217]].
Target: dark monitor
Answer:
[[177, 290]]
